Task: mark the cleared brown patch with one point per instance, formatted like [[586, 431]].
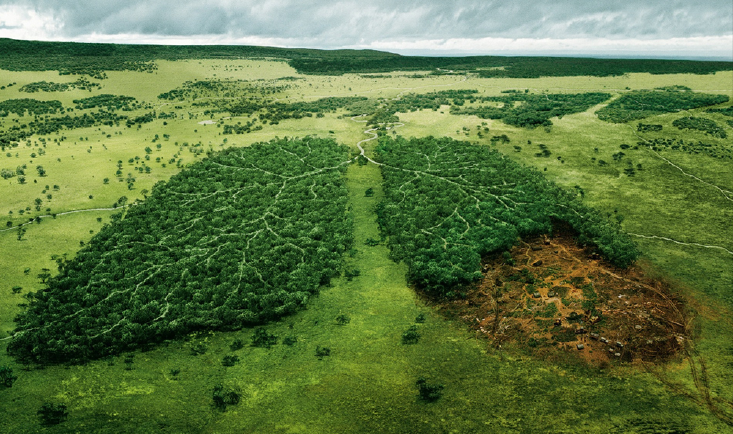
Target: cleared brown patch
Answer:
[[559, 298]]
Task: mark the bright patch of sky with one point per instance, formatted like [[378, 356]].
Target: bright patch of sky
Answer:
[[652, 28]]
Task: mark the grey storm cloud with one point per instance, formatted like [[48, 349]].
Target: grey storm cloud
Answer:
[[350, 22]]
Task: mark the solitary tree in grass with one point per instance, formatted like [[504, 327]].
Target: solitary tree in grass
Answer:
[[7, 378], [52, 414]]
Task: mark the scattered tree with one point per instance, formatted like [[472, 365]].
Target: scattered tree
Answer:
[[52, 414]]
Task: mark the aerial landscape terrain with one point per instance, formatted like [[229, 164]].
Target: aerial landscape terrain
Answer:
[[220, 239]]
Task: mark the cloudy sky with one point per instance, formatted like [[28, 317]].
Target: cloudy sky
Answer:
[[651, 28]]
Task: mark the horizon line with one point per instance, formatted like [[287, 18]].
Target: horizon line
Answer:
[[406, 52]]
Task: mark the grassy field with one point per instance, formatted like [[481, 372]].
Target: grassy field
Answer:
[[676, 205]]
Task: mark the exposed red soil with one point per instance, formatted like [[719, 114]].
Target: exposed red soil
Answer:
[[558, 298]]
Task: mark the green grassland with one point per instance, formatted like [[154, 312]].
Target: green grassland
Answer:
[[678, 206]]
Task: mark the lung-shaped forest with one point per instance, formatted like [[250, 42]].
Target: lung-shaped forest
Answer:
[[240, 238], [249, 234]]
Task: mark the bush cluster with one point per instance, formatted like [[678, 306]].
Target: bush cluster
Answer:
[[708, 126], [640, 104], [533, 110]]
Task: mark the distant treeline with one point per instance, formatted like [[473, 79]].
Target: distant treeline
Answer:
[[511, 67], [94, 59]]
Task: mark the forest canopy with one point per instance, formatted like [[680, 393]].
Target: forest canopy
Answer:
[[240, 238], [447, 204]]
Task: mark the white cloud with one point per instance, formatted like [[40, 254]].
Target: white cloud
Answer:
[[138, 38], [21, 22], [558, 27], [702, 46]]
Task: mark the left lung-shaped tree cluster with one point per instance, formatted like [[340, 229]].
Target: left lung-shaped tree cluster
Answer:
[[240, 238]]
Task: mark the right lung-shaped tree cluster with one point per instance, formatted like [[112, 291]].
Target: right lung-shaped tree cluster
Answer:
[[449, 203]]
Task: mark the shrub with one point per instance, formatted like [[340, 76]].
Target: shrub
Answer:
[[52, 414], [224, 396], [429, 392], [229, 360], [322, 352], [261, 338], [7, 378], [236, 345], [198, 349], [410, 336], [351, 273]]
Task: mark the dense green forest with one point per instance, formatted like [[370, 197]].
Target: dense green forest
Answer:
[[509, 67], [240, 238], [94, 59], [448, 203], [224, 89], [640, 104], [519, 109], [726, 111], [533, 110]]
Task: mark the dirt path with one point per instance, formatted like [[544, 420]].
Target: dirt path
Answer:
[[15, 228]]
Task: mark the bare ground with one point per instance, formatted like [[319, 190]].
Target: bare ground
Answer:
[[557, 299]]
